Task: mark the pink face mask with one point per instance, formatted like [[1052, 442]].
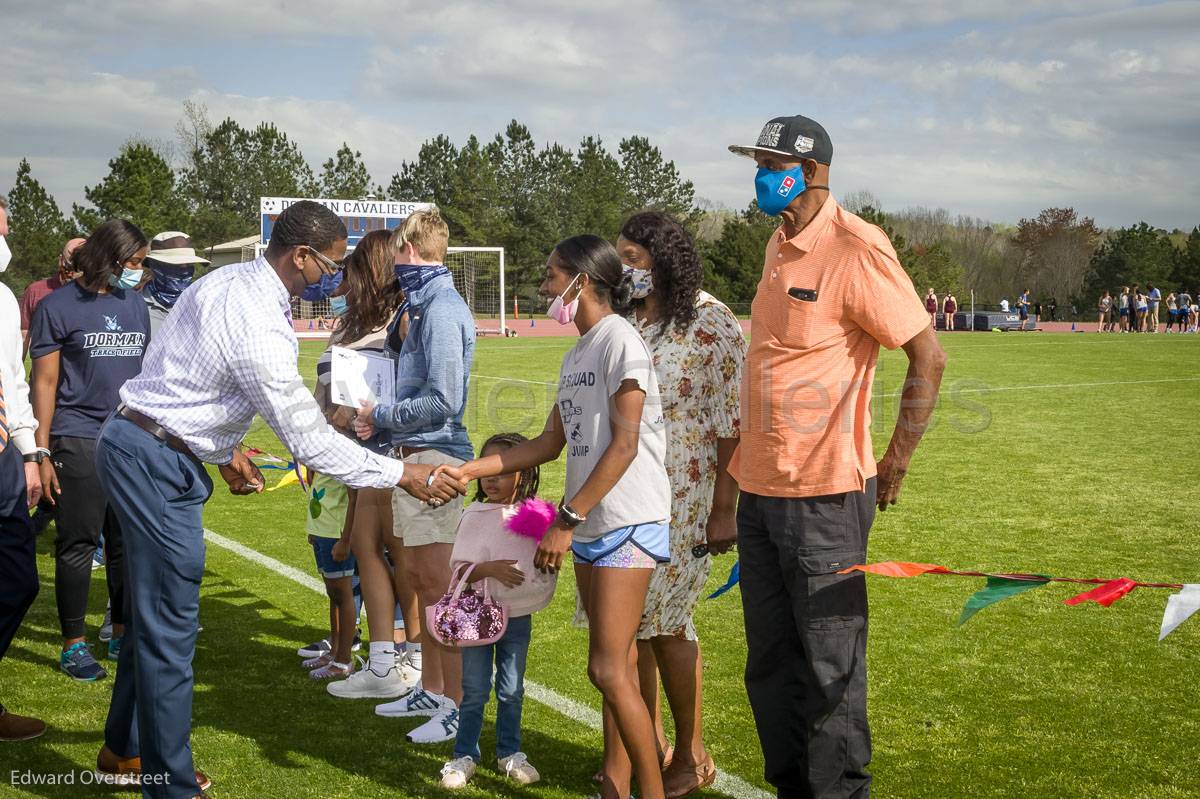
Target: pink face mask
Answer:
[[563, 312]]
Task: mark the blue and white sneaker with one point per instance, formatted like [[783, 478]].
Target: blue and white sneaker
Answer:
[[114, 647], [442, 727], [418, 703], [78, 664], [98, 558]]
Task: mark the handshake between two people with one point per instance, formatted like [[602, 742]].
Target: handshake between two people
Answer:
[[432, 484]]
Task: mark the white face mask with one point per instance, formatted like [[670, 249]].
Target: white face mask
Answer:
[[5, 253]]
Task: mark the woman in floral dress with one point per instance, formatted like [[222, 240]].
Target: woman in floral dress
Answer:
[[698, 348]]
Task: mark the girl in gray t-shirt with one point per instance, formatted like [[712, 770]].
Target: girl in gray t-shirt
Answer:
[[617, 508]]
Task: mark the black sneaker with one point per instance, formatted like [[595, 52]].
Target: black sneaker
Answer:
[[315, 649]]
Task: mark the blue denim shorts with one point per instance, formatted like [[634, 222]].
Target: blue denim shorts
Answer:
[[327, 567], [653, 540]]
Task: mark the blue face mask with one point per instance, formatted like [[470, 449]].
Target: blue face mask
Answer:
[[337, 306], [129, 279], [322, 288], [169, 281], [775, 190]]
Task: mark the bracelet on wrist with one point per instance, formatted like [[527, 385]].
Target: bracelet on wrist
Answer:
[[568, 517]]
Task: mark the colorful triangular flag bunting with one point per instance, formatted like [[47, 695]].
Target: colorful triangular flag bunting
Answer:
[[996, 590], [1105, 594], [896, 568], [735, 574], [1179, 607]]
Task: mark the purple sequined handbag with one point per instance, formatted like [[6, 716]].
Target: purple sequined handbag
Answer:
[[464, 616]]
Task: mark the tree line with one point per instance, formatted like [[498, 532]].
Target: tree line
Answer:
[[511, 192]]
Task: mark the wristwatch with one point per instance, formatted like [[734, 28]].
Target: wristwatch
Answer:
[[568, 517], [35, 457]]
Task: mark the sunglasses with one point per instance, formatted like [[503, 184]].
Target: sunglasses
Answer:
[[331, 266]]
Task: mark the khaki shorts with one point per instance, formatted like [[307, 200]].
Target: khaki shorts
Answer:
[[417, 524]]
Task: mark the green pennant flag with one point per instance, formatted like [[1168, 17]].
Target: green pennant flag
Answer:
[[997, 590]]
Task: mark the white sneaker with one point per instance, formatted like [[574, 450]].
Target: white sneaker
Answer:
[[458, 772], [518, 769], [410, 674], [366, 684], [417, 703], [442, 727]]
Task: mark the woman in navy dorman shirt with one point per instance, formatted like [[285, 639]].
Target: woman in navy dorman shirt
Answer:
[[86, 339]]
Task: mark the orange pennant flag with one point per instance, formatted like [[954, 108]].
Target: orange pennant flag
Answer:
[[897, 568]]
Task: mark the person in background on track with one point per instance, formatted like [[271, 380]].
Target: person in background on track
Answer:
[[1143, 309], [1023, 308], [949, 309], [1105, 307], [1153, 297], [931, 307], [1123, 309]]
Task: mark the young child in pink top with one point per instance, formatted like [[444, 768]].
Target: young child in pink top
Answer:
[[505, 559]]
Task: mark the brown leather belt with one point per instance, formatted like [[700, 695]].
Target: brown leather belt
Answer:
[[155, 429], [407, 451]]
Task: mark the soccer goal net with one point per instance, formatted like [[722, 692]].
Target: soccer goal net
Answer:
[[478, 275]]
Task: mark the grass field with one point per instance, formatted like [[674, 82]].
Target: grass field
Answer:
[[1061, 454]]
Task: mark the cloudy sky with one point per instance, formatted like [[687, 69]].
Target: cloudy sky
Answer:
[[993, 109]]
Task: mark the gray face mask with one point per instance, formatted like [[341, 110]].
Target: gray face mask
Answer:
[[643, 281]]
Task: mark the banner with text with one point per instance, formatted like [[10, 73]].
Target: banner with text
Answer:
[[360, 216]]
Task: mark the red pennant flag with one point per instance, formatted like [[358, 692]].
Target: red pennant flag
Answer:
[[896, 568], [1105, 594]]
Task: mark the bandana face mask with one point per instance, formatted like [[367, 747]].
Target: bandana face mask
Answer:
[[643, 281]]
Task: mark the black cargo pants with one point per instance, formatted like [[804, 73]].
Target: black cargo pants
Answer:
[[806, 634]]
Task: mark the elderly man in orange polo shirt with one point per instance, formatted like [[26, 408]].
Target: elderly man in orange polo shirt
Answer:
[[832, 291]]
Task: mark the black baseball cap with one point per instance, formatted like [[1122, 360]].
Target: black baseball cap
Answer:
[[798, 137]]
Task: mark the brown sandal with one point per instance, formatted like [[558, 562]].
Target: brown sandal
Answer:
[[685, 780], [665, 759]]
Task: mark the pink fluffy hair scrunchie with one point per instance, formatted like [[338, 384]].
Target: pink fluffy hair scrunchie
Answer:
[[532, 519]]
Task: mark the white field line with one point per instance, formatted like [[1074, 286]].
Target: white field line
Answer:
[[727, 784], [513, 380], [990, 389], [960, 391]]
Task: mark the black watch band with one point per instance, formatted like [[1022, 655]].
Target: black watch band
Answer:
[[34, 457]]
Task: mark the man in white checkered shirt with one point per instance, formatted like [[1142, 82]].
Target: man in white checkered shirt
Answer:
[[226, 353]]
